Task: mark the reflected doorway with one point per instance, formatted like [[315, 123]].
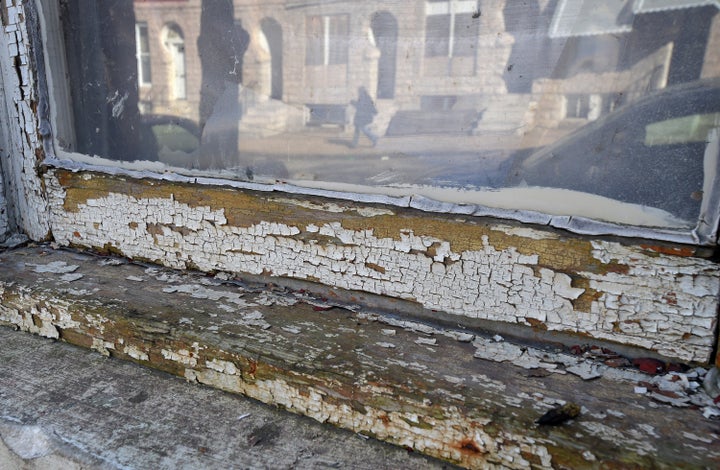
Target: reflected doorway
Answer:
[[385, 31], [272, 31], [175, 44]]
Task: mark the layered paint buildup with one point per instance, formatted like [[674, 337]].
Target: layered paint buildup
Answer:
[[654, 297]]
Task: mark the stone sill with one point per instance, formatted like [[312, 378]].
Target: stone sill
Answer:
[[68, 408], [406, 383]]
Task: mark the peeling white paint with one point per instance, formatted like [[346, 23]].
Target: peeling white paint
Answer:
[[135, 352], [663, 303], [56, 267], [21, 142], [394, 426], [608, 433], [182, 356], [101, 346], [225, 367], [49, 320]]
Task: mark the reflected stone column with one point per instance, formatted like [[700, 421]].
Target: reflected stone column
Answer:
[[364, 72], [494, 47], [222, 44], [371, 59]]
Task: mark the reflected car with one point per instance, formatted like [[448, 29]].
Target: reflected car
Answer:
[[650, 152]]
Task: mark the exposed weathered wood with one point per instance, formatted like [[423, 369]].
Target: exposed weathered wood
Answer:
[[68, 408]]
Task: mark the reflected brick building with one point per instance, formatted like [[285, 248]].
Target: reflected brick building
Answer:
[[487, 65]]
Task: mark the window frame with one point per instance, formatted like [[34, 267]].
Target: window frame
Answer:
[[705, 233]]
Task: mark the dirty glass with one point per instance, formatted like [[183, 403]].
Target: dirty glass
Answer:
[[604, 110]]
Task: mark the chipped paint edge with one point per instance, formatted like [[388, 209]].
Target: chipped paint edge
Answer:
[[28, 207], [579, 225]]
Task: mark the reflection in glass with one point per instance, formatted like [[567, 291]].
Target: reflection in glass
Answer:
[[568, 107], [175, 46], [143, 53]]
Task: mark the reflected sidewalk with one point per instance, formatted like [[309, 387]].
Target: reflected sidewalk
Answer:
[[327, 154], [333, 142]]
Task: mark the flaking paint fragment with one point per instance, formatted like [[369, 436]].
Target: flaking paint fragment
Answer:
[[224, 367], [135, 352], [71, 277], [56, 267], [607, 433], [101, 346]]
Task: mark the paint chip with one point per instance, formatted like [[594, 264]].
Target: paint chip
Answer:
[[56, 267]]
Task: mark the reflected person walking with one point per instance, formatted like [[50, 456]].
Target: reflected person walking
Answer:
[[365, 112]]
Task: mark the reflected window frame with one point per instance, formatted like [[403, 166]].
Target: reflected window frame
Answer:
[[142, 53], [444, 24], [327, 40]]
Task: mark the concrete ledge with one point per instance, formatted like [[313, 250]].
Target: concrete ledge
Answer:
[[409, 384], [67, 408]]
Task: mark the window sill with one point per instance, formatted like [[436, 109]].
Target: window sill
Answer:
[[292, 350]]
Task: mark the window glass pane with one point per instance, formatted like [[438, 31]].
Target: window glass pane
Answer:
[[143, 53], [591, 110], [682, 130], [145, 69], [338, 39], [437, 36], [466, 34]]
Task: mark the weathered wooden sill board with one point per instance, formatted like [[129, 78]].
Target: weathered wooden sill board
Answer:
[[414, 386]]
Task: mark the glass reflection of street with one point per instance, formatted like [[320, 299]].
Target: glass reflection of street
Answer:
[[438, 93]]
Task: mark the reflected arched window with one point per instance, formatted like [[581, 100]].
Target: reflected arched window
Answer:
[[175, 45], [273, 34], [384, 34]]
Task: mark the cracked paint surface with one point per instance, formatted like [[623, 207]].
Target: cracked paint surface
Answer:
[[22, 148], [4, 222], [480, 270], [625, 294]]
